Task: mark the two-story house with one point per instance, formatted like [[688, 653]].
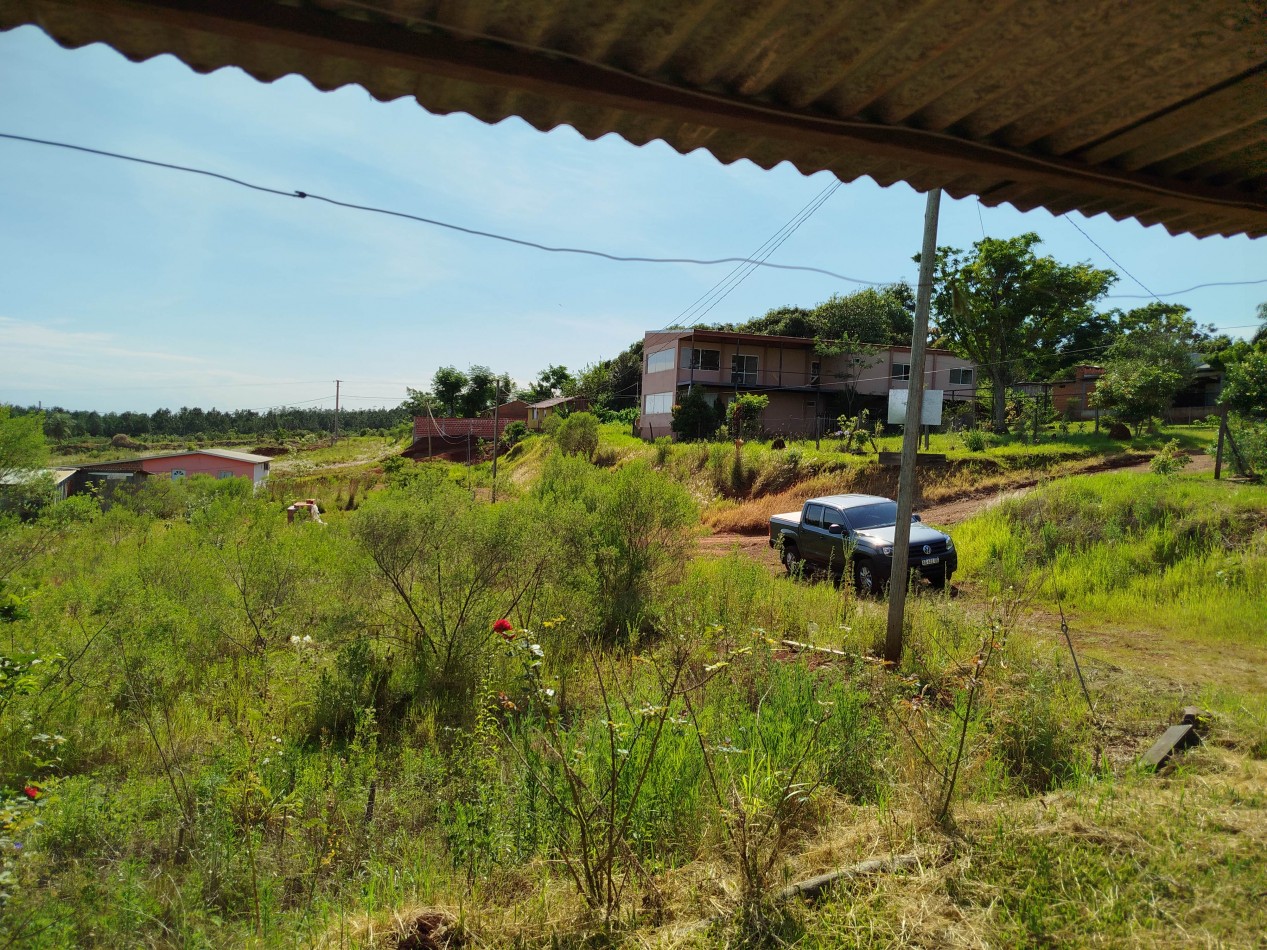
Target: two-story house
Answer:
[[798, 378]]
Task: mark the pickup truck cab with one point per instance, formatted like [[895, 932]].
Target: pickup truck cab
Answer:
[[856, 532]]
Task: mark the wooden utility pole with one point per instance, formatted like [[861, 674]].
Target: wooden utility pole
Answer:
[[497, 402], [910, 436], [336, 411], [1218, 452]]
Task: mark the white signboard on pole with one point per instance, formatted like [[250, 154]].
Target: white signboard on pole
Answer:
[[930, 412]]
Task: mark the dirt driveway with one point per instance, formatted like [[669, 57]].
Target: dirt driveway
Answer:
[[757, 546]]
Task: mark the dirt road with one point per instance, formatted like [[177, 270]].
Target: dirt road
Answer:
[[944, 514]]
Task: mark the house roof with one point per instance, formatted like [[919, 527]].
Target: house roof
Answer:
[[1154, 110], [218, 453], [798, 342], [556, 401]]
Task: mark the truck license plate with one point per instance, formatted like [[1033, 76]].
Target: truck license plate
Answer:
[[929, 560]]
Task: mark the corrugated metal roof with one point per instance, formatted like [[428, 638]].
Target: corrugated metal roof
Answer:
[[1154, 109], [218, 453]]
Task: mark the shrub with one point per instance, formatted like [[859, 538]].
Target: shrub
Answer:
[[976, 440], [662, 447], [623, 534], [577, 434], [513, 433], [1169, 460], [694, 418], [743, 414]]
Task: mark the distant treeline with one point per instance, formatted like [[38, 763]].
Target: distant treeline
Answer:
[[61, 424]]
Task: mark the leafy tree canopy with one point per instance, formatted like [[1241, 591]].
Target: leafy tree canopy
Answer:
[[1149, 362], [1011, 311], [551, 381], [1245, 389], [446, 386], [22, 446], [878, 315]]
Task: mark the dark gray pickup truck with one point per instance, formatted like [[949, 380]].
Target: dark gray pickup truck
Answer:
[[857, 530]]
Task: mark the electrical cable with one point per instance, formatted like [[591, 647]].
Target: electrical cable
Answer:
[[738, 273], [461, 229], [1188, 290], [747, 271], [618, 258], [1111, 257]]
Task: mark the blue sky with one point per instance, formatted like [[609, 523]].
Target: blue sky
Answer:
[[128, 287]]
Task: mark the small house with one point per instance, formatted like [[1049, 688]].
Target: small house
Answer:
[[538, 412], [105, 477]]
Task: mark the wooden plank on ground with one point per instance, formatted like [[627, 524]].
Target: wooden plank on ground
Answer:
[[1176, 737]]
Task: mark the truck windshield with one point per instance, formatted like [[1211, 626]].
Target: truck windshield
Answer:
[[880, 515]]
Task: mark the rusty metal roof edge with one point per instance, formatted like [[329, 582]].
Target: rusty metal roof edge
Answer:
[[1204, 210]]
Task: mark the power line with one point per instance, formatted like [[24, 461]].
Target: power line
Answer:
[[1120, 267], [1188, 290], [462, 229], [589, 252], [739, 273], [749, 270]]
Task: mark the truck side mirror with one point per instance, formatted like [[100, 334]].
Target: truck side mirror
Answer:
[[916, 518], [835, 529]]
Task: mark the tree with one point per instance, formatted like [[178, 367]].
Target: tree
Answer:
[[418, 403], [695, 419], [22, 446], [881, 316], [1260, 335], [1149, 363], [1245, 389], [446, 386], [577, 434], [743, 413], [480, 392], [613, 383], [877, 315], [551, 381], [58, 425], [1011, 311]]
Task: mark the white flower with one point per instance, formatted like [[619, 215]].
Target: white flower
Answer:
[[535, 650]]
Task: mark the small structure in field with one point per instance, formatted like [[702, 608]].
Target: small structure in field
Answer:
[[105, 477]]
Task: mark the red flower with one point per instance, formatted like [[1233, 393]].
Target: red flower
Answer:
[[505, 628], [32, 792]]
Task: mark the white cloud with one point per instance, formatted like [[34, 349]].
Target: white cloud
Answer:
[[38, 358]]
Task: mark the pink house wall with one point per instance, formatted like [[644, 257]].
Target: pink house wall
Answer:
[[197, 464]]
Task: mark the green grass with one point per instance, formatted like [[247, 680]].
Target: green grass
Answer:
[[234, 687], [1184, 555]]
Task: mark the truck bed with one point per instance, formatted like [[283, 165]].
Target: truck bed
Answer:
[[789, 519]]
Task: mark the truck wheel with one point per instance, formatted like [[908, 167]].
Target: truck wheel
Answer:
[[939, 579], [791, 558], [864, 581]]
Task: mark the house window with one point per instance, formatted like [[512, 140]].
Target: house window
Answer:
[[660, 360], [659, 403], [709, 360], [901, 371], [743, 370], [224, 473], [815, 372], [961, 377], [178, 473]]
